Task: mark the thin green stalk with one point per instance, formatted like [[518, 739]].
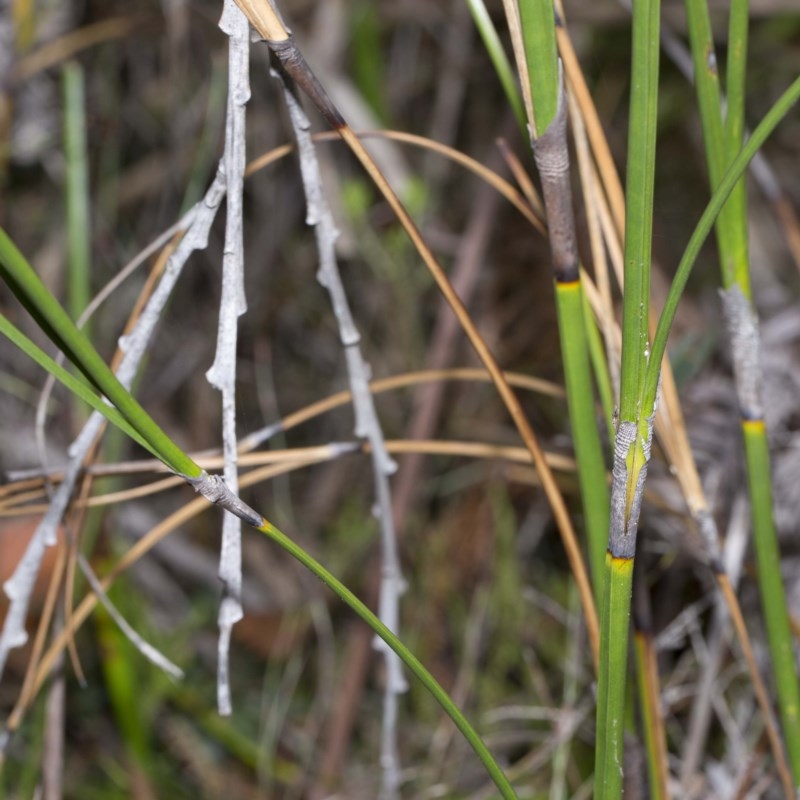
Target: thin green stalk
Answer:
[[722, 145], [787, 680], [773, 596], [551, 151], [634, 432], [408, 658], [735, 209], [608, 759], [597, 353], [737, 168], [499, 59], [729, 231], [639, 205], [583, 420], [77, 191], [132, 418], [538, 22]]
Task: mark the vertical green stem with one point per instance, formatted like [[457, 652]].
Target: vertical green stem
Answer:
[[538, 22], [634, 432], [773, 596], [723, 143], [735, 210], [77, 190], [583, 420], [551, 151], [639, 204], [497, 54]]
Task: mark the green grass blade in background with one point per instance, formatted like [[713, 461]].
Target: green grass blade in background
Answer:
[[408, 658], [502, 66], [583, 420], [77, 191]]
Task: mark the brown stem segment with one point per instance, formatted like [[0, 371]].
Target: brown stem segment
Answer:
[[552, 160], [295, 66]]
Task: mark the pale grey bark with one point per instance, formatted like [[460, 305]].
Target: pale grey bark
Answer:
[[551, 152], [743, 332], [367, 426], [624, 521], [233, 304], [19, 586]]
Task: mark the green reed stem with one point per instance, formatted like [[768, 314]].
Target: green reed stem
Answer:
[[632, 445], [779, 110], [497, 54], [583, 420], [551, 151], [773, 596], [77, 191], [723, 143], [748, 371], [538, 22]]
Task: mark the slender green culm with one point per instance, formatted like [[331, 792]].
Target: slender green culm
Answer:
[[748, 372], [649, 691], [551, 151], [709, 101], [583, 420], [502, 66], [786, 679], [614, 617], [408, 658], [735, 210], [639, 204], [771, 119], [76, 191], [773, 596], [634, 431], [537, 18], [723, 142]]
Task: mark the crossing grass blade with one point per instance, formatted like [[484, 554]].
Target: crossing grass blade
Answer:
[[131, 418]]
